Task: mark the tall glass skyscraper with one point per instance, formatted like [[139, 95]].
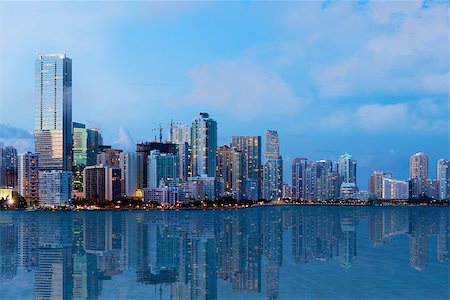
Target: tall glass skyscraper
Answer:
[[204, 145], [272, 147], [53, 121]]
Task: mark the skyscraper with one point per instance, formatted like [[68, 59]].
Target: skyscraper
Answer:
[[204, 145], [418, 166], [273, 178], [8, 166], [272, 146], [224, 167], [376, 183], [127, 165], [143, 151], [29, 175], [250, 146], [55, 188], [180, 133], [98, 182], [298, 168], [443, 176], [347, 168], [162, 166], [53, 123], [273, 167]]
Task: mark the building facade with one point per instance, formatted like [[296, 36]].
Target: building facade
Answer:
[[128, 170], [53, 118], [250, 146], [162, 167], [29, 175], [55, 188], [204, 145], [8, 166]]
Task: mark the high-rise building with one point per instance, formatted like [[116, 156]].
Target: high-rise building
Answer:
[[8, 166], [443, 176], [347, 168], [394, 189], [109, 157], [203, 188], [376, 183], [162, 167], [179, 133], [29, 175], [85, 148], [272, 146], [98, 183], [184, 154], [418, 166], [224, 168], [298, 168], [237, 173], [204, 145], [127, 165], [287, 191], [55, 188], [53, 123], [273, 178], [143, 151], [250, 146]]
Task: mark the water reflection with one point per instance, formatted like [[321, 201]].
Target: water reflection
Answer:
[[208, 254]]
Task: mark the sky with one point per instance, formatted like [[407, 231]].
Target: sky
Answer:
[[364, 77]]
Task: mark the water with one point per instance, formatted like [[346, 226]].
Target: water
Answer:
[[283, 252]]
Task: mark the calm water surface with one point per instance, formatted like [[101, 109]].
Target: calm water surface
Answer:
[[287, 252]]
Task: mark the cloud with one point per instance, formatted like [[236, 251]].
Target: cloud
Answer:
[[244, 90], [125, 141], [17, 137], [381, 117], [424, 115], [410, 54]]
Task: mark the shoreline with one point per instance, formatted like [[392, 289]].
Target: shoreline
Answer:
[[222, 208]]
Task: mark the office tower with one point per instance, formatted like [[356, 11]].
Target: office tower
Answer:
[[8, 166], [376, 183], [418, 166], [348, 190], [204, 145], [162, 167], [237, 173], [347, 168], [250, 146], [98, 183], [273, 178], [179, 133], [53, 123], [272, 147], [224, 167], [29, 175], [298, 168], [143, 151], [55, 187], [184, 154], [443, 176], [128, 165], [394, 189]]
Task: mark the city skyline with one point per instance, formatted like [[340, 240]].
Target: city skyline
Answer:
[[314, 116]]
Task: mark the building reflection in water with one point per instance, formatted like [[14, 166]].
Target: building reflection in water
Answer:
[[184, 254]]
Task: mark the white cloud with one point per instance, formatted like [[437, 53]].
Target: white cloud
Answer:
[[377, 117], [243, 89], [125, 141], [410, 54], [425, 115]]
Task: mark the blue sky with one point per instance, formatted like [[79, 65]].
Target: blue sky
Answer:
[[370, 78]]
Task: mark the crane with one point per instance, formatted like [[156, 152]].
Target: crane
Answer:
[[160, 128]]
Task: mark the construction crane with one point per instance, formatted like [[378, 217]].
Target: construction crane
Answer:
[[160, 128]]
